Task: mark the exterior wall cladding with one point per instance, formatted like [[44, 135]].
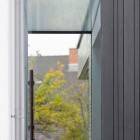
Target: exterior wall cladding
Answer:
[[120, 69], [115, 70]]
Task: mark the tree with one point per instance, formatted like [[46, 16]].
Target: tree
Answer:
[[78, 93], [58, 107]]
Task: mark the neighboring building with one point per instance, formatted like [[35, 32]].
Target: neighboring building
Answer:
[[42, 65]]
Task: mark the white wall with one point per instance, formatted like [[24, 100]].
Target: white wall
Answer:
[[12, 69], [4, 71]]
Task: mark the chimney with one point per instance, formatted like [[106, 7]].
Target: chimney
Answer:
[[73, 59], [73, 56]]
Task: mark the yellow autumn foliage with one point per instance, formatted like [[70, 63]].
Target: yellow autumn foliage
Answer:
[[58, 107]]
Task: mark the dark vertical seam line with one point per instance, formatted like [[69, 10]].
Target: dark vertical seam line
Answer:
[[139, 70], [123, 69], [117, 76], [101, 53], [134, 68], [113, 63], [101, 56], [91, 96]]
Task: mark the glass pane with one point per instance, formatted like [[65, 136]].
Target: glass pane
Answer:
[[59, 15], [62, 97]]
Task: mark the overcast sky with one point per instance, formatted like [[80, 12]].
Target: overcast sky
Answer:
[[51, 44]]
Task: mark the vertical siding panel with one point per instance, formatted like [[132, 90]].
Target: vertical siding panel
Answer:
[[120, 66], [96, 70], [90, 93], [107, 69], [137, 43], [116, 70], [96, 94], [129, 69]]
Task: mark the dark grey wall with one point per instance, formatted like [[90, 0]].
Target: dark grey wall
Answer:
[[96, 71], [120, 69], [96, 88]]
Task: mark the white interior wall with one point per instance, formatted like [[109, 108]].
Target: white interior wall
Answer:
[[4, 71], [12, 70]]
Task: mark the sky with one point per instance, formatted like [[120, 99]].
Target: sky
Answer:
[[51, 44]]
